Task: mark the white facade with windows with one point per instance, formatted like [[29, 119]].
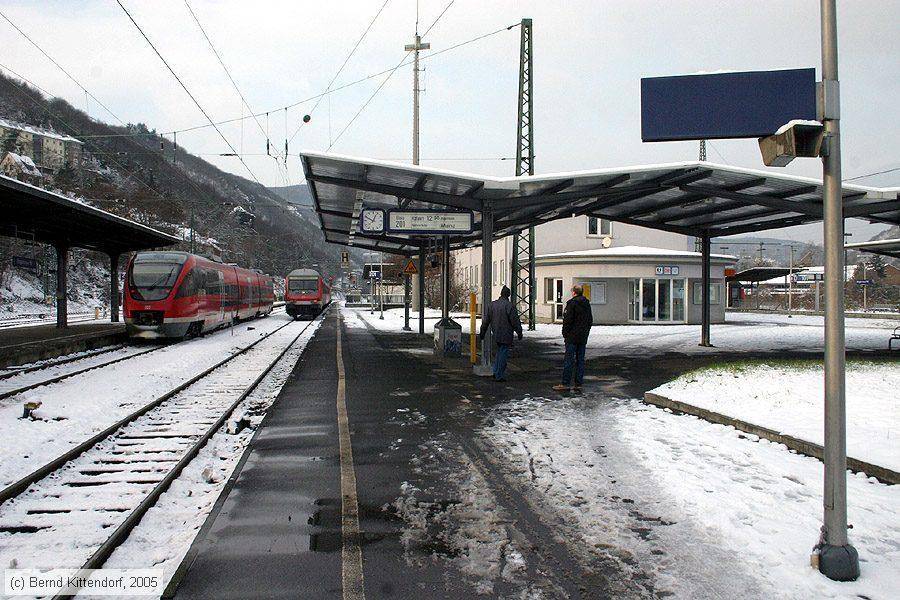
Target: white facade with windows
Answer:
[[630, 274]]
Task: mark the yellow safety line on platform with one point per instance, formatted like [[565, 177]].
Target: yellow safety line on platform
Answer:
[[351, 552]]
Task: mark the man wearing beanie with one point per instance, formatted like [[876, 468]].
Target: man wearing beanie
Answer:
[[503, 322]]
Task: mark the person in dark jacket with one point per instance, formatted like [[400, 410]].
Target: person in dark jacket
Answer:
[[577, 321], [503, 322]]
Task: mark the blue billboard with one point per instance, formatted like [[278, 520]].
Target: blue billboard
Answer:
[[749, 104]]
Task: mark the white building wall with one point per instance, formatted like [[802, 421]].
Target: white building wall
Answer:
[[563, 235]]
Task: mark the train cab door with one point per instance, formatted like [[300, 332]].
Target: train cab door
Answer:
[[222, 295]]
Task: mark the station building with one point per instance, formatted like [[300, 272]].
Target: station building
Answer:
[[631, 274]]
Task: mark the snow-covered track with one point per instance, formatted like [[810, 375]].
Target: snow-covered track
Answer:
[[32, 320], [108, 483], [13, 371], [30, 384]]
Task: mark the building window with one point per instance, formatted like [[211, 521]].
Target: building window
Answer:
[[502, 271], [714, 290], [494, 272], [548, 290], [599, 227]]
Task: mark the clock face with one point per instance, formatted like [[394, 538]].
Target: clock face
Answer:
[[373, 220]]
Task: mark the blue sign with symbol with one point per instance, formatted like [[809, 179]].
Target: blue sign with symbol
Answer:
[[725, 105]]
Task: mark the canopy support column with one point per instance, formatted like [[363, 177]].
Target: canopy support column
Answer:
[[704, 294], [487, 243], [114, 287], [445, 277], [421, 277], [62, 267]]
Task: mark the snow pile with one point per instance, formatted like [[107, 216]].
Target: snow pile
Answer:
[[789, 398]]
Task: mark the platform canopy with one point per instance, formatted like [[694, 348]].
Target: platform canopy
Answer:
[[886, 247], [32, 213], [693, 198], [758, 274]]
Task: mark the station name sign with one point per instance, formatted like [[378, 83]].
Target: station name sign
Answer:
[[436, 222]]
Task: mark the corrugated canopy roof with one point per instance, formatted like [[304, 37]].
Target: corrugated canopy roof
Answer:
[[33, 213], [693, 198], [886, 247]]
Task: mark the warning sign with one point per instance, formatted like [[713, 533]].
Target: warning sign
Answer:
[[410, 268]]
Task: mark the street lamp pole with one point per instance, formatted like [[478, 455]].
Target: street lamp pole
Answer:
[[837, 559]]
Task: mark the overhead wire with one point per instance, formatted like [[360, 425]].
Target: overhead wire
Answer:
[[186, 90], [60, 67], [332, 91], [88, 93], [872, 174], [222, 64], [386, 79], [340, 69]]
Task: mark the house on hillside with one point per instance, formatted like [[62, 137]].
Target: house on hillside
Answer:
[[19, 167], [630, 274], [50, 151]]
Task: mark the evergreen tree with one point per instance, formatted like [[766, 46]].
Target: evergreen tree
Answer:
[[10, 142], [877, 264]]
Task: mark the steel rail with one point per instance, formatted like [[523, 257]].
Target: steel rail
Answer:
[[59, 378], [21, 485], [13, 371], [121, 533]]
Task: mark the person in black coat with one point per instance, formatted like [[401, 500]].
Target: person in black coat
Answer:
[[503, 322], [577, 321]]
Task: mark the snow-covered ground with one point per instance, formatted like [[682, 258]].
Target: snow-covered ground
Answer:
[[707, 511], [742, 332], [789, 398], [76, 408]]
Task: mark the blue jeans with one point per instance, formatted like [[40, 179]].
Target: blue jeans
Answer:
[[574, 354], [500, 360]]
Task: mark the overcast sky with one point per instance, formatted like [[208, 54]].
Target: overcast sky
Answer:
[[589, 57]]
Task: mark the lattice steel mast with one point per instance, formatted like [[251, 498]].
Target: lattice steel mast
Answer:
[[524, 290]]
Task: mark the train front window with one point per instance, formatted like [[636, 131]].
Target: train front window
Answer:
[[153, 281], [303, 285]]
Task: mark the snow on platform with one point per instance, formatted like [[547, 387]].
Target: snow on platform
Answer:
[[789, 398], [706, 510]]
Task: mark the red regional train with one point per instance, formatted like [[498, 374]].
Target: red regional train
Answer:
[[306, 293], [178, 294]]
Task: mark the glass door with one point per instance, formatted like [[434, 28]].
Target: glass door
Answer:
[[664, 300], [634, 300], [558, 304], [648, 299], [678, 300]]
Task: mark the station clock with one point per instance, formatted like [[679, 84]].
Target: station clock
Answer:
[[372, 220]]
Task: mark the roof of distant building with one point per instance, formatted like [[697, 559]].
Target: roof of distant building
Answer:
[[634, 252], [41, 131]]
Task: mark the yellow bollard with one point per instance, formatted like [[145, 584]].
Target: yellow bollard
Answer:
[[96, 313], [473, 334]]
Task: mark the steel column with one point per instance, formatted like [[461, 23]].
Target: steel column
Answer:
[[487, 243], [445, 277], [704, 293], [62, 266], [114, 287], [837, 558], [524, 290], [421, 276]]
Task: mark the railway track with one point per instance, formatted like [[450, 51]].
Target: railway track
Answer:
[[81, 506], [13, 382], [47, 320]]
